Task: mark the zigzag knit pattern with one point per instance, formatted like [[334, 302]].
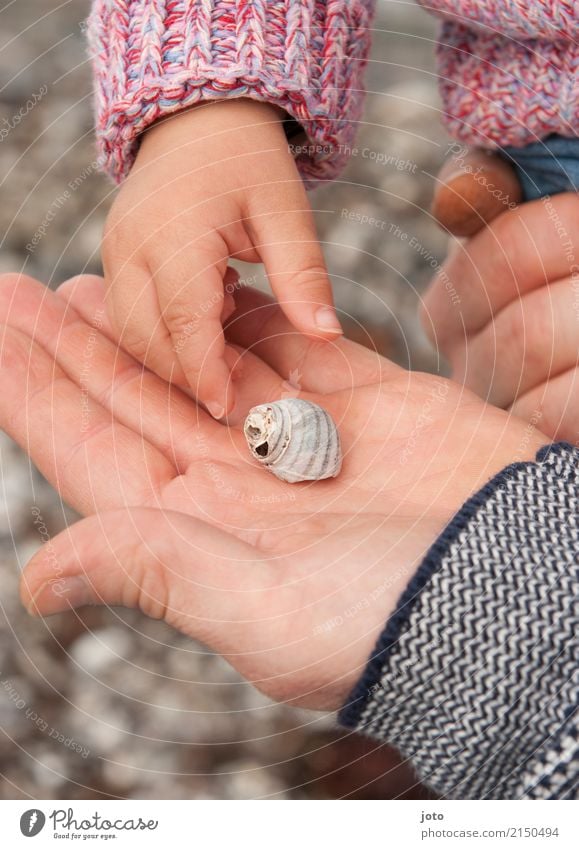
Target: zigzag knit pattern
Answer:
[[156, 57], [508, 69], [475, 678]]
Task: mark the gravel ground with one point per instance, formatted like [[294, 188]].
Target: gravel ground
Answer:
[[105, 702]]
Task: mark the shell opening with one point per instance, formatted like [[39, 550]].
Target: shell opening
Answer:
[[262, 449]]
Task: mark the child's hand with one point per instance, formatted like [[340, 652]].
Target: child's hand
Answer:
[[504, 310], [215, 182]]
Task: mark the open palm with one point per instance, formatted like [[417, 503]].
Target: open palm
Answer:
[[292, 583]]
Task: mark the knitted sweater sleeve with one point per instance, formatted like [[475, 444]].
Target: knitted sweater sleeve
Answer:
[[475, 677], [520, 19], [152, 58]]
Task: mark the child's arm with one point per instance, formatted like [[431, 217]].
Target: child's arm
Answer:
[[520, 19], [507, 69], [507, 79], [219, 180]]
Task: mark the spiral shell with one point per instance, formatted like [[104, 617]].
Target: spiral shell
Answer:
[[295, 439]]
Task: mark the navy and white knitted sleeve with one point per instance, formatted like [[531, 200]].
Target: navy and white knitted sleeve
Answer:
[[474, 678]]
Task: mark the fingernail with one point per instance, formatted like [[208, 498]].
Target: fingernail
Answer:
[[61, 594], [215, 410], [326, 319]]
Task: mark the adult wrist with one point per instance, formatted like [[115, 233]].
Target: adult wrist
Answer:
[[474, 675]]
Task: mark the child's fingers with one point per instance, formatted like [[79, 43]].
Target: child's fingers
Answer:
[[288, 245], [190, 289], [260, 325], [86, 294], [255, 381], [473, 187], [531, 340], [138, 326]]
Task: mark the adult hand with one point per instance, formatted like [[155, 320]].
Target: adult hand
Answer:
[[504, 310], [291, 583]]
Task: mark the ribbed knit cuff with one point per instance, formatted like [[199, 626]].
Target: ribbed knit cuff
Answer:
[[475, 678], [153, 58]]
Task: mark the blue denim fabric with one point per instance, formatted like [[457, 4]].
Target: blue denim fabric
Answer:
[[547, 167]]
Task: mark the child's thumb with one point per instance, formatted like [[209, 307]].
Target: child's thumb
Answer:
[[473, 187]]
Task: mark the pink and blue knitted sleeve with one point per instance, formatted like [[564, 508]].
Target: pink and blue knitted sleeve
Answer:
[[520, 19], [155, 57], [508, 69]]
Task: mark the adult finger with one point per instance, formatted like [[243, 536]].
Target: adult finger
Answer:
[[521, 250], [473, 187], [553, 407], [528, 342], [135, 397], [279, 361], [260, 325], [94, 461], [86, 294], [255, 381]]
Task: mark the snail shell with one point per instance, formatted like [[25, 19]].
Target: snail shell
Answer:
[[295, 439]]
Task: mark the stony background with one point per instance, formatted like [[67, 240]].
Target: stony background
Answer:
[[104, 702]]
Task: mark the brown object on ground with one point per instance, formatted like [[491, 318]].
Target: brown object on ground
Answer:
[[474, 188]]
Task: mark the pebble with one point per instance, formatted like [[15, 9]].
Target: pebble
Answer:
[[95, 651]]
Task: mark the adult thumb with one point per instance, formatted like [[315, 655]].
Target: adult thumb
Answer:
[[474, 187], [168, 564]]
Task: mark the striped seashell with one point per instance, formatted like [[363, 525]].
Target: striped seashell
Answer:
[[295, 439]]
